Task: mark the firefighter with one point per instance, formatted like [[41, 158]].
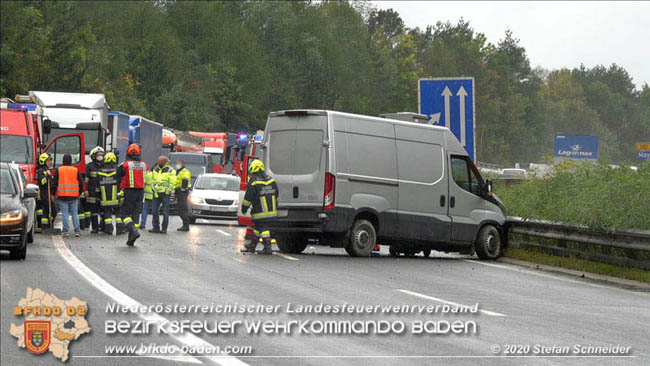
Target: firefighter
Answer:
[[183, 182], [262, 195], [131, 174], [108, 194], [45, 215], [92, 205], [164, 182]]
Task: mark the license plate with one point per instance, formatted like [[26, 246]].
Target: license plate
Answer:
[[218, 209], [283, 213]]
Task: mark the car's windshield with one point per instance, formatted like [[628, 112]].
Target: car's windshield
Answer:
[[16, 149], [6, 184], [217, 183]]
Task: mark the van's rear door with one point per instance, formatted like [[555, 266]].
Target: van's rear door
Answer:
[[296, 156]]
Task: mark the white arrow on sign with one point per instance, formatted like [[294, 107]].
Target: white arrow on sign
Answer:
[[435, 118], [462, 94], [447, 93]]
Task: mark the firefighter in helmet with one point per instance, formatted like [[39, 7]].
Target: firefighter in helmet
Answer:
[[45, 212], [262, 195], [108, 194], [92, 205], [130, 176]]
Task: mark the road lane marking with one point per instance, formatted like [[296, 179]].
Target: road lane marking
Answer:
[[518, 269], [286, 256], [223, 232], [239, 260], [123, 299], [486, 312]]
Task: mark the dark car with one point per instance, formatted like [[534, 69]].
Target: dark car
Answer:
[[17, 207]]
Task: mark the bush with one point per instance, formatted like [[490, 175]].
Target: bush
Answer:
[[600, 197]]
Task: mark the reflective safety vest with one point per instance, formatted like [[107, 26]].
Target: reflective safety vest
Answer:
[[68, 182], [108, 186], [134, 172], [181, 175], [164, 180], [148, 186]]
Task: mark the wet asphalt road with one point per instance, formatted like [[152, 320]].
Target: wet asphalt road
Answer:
[[518, 306]]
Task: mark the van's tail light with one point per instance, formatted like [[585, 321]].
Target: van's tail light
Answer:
[[330, 190]]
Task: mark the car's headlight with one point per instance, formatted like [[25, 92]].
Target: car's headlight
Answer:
[[196, 199], [11, 217], [236, 203]]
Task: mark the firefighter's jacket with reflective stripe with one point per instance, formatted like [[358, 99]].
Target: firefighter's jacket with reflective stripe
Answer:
[[108, 186], [164, 180], [43, 176], [92, 181], [262, 195], [131, 174]]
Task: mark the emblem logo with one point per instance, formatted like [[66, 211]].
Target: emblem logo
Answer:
[[37, 335]]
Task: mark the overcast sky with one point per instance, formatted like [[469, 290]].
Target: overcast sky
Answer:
[[554, 34]]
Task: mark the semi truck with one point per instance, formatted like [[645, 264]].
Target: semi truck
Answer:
[[148, 134]]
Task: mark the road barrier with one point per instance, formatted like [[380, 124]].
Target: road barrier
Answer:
[[623, 248]]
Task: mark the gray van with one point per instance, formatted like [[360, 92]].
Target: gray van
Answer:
[[353, 181]]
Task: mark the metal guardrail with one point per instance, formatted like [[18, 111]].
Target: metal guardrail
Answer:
[[623, 248]]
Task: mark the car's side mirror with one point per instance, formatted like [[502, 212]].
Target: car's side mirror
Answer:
[[31, 191], [488, 187]]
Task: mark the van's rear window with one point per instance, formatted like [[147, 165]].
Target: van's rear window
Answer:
[[295, 152]]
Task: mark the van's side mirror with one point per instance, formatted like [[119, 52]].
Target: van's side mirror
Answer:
[[47, 126], [488, 187]]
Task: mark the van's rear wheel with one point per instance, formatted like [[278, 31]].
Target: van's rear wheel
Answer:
[[363, 239], [426, 252], [488, 243], [291, 243]]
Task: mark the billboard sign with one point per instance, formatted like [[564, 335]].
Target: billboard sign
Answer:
[[576, 147]]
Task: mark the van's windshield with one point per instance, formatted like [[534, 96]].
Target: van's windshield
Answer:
[[16, 149]]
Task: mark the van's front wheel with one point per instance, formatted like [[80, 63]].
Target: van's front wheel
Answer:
[[292, 244], [488, 243], [363, 238]]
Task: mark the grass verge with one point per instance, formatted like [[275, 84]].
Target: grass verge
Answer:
[[578, 264]]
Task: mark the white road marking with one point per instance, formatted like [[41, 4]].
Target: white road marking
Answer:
[[518, 269], [121, 298], [239, 260], [286, 256], [486, 312], [223, 232]]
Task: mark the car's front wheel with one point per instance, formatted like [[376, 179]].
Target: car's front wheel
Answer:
[[20, 252]]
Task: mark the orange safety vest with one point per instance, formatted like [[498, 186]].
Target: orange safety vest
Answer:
[[68, 182]]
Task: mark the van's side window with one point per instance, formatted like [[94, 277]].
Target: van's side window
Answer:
[[465, 175]]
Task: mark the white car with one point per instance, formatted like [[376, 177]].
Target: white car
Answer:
[[214, 196]]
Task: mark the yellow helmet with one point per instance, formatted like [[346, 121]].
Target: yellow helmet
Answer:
[[256, 166], [43, 158], [110, 158]]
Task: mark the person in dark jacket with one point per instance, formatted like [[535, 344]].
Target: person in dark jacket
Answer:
[[262, 195], [131, 174], [68, 185], [92, 204], [45, 211]]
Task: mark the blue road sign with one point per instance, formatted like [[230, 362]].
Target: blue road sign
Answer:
[[576, 147], [644, 155], [449, 102]]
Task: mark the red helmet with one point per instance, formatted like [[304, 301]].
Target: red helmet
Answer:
[[133, 149]]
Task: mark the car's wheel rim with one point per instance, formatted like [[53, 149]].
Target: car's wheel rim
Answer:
[[362, 238], [492, 244]]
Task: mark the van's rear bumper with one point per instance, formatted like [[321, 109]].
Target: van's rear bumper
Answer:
[[311, 219]]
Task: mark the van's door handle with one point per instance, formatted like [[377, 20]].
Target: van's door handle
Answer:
[[452, 201], [295, 192], [442, 201]]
